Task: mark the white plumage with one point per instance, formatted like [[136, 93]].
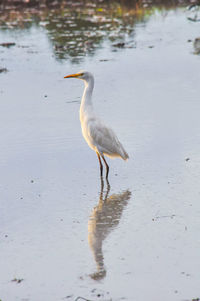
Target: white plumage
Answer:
[[98, 136]]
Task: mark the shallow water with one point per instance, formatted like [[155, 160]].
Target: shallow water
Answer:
[[61, 231]]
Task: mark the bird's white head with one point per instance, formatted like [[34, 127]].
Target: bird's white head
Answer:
[[84, 75]]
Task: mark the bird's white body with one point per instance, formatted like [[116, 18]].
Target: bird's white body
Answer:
[[98, 136]]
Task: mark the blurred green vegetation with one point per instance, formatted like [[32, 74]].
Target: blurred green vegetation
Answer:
[[76, 29]]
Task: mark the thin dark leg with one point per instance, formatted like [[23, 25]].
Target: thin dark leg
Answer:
[[101, 166], [103, 199], [102, 187], [107, 167], [107, 191]]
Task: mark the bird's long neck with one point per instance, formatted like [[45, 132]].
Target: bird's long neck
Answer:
[[86, 102]]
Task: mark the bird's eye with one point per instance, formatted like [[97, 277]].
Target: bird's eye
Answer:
[[80, 74]]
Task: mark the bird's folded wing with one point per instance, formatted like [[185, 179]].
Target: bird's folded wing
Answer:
[[105, 139]]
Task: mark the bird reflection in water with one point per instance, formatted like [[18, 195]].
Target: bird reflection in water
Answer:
[[104, 218]]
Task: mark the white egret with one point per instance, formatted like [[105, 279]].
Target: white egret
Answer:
[[98, 136]]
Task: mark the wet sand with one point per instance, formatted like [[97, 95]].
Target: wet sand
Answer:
[[60, 234]]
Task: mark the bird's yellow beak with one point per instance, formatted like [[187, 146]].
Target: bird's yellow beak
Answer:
[[73, 75]]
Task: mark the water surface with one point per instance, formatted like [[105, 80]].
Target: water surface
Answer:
[[61, 231]]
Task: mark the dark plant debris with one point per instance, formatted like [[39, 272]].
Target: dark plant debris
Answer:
[[8, 44], [197, 45], [3, 70], [17, 280], [68, 297], [119, 45]]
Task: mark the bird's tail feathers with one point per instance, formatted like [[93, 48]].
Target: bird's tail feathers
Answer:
[[123, 153], [125, 156]]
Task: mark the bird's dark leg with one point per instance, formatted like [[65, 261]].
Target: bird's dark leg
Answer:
[[102, 187], [103, 199], [107, 167], [101, 166], [107, 191]]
